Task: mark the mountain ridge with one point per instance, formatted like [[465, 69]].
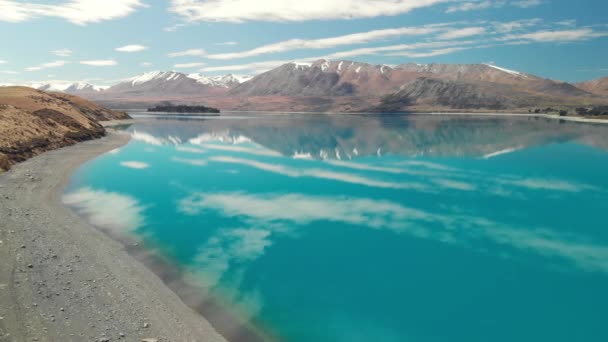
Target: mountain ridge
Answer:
[[346, 86]]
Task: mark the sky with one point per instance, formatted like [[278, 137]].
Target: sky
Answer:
[[103, 42]]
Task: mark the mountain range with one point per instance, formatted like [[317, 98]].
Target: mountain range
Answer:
[[349, 86]]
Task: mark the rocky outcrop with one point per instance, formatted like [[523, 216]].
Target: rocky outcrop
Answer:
[[32, 121]]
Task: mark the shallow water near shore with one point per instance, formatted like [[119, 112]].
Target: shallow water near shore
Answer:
[[391, 228]]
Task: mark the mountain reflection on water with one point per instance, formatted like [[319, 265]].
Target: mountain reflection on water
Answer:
[[348, 137], [361, 228]]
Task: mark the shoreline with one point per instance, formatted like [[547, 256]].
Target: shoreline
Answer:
[[580, 119], [62, 279]]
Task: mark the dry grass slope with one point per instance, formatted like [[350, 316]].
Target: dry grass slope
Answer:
[[32, 121]]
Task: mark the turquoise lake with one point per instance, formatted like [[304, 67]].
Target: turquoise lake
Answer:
[[370, 228]]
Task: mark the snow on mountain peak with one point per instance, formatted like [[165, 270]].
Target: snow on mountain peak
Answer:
[[66, 87], [225, 81], [301, 65], [155, 75], [512, 72]]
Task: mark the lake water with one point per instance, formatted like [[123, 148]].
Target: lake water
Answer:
[[357, 228]]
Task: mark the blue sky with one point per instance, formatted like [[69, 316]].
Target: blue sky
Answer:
[[103, 42]]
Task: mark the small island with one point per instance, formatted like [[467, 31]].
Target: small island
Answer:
[[183, 109]]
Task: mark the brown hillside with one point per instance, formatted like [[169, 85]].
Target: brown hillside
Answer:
[[32, 121]]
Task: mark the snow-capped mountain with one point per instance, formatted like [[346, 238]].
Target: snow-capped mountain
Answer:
[[343, 85], [70, 88], [226, 81], [172, 84], [326, 78]]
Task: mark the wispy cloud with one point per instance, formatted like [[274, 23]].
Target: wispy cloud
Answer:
[[48, 65], [254, 66], [79, 12], [189, 53], [527, 3], [558, 36], [62, 52], [449, 38], [461, 33], [473, 5], [189, 65], [324, 43], [432, 53], [238, 11], [100, 62], [227, 43], [131, 48]]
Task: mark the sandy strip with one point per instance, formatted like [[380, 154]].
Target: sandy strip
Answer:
[[63, 280]]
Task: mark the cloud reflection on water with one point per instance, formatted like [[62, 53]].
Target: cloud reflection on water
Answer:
[[319, 173], [448, 227], [117, 212]]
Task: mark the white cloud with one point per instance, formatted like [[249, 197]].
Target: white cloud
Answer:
[[515, 25], [227, 43], [398, 47], [79, 12], [48, 65], [189, 53], [189, 65], [62, 52], [527, 3], [9, 72], [325, 43], [558, 36], [471, 5], [292, 10], [461, 33], [131, 48], [2, 62], [485, 4], [433, 53], [145, 64], [255, 66], [100, 62], [135, 164]]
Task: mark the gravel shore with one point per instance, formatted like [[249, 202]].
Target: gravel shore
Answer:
[[63, 280]]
